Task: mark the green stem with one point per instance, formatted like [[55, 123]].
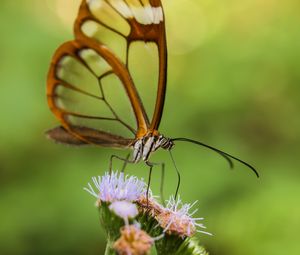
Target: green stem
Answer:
[[109, 250]]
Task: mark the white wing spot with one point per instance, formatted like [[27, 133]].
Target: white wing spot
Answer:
[[95, 4], [122, 8], [149, 13], [158, 15], [145, 15]]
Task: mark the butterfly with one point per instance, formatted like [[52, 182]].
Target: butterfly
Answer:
[[79, 68]]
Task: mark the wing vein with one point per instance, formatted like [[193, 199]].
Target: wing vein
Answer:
[[69, 86], [111, 108], [108, 27], [89, 117]]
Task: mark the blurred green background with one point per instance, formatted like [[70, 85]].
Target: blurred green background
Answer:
[[234, 73]]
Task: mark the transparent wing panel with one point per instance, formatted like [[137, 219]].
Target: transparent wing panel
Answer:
[[109, 17], [143, 66], [105, 36], [89, 94]]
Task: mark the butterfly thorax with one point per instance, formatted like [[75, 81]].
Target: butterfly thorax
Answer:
[[143, 147]]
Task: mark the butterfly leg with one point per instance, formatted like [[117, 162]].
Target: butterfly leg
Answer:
[[125, 163], [162, 183], [149, 181], [125, 160], [151, 164]]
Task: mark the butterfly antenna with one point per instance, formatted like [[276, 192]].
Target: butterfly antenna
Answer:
[[178, 174], [225, 155]]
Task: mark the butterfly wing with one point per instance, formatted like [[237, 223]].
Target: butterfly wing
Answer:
[[79, 67], [75, 88], [61, 135], [133, 20]]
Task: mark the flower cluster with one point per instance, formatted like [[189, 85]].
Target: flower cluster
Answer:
[[123, 197]]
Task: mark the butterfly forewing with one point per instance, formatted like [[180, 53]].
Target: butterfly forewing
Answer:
[[130, 21]]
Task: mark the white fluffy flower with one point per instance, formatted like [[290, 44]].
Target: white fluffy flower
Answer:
[[116, 187], [124, 209]]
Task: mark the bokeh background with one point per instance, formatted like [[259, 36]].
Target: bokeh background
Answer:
[[234, 74]]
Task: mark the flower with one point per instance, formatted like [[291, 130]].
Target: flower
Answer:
[[149, 205], [124, 209], [133, 241], [116, 187], [176, 219]]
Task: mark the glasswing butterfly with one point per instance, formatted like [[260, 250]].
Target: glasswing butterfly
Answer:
[[80, 67]]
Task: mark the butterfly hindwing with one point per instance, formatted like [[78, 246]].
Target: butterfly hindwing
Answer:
[[75, 91]]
